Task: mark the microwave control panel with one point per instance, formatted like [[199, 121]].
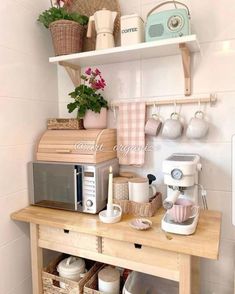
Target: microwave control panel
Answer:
[[89, 189]]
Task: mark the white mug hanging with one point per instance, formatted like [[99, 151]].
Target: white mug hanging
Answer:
[[198, 127], [173, 128]]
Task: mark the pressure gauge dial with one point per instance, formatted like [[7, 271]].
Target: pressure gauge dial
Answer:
[[175, 23], [176, 174]]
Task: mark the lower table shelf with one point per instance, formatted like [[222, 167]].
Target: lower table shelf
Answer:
[[148, 252]]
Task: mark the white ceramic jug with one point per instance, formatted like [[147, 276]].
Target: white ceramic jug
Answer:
[[104, 23]]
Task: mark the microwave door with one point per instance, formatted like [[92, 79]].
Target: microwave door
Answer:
[[55, 185]]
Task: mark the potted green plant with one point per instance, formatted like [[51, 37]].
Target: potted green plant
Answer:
[[90, 104], [67, 28]]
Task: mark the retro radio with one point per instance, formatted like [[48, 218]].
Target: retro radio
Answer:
[[169, 23]]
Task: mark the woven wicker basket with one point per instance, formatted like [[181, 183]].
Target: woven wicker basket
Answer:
[[141, 209], [67, 36], [65, 124], [91, 287], [51, 279]]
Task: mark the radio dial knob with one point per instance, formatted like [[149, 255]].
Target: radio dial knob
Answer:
[[174, 22], [89, 203]]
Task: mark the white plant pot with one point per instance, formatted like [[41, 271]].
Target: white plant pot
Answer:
[[93, 120]]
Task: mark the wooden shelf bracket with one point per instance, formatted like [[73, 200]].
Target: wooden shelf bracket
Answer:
[[74, 72], [186, 60]]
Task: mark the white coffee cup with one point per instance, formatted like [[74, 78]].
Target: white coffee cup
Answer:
[[198, 127], [139, 190], [172, 128]]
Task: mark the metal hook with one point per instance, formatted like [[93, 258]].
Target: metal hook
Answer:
[[175, 104], [113, 108], [199, 104], [154, 107]]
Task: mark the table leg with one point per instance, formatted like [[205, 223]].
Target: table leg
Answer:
[[195, 275], [185, 274], [36, 260]]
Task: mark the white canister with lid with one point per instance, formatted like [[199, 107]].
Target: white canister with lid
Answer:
[[109, 280], [132, 29], [71, 268]]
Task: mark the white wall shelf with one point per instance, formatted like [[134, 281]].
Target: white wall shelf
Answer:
[[168, 47]]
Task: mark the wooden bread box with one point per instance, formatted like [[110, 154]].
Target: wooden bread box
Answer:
[[78, 146]]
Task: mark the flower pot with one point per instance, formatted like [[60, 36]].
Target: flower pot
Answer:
[[67, 36], [93, 120]]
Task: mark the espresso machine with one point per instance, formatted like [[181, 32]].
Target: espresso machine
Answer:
[[181, 177]]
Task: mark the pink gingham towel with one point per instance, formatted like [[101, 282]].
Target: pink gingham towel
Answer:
[[130, 133]]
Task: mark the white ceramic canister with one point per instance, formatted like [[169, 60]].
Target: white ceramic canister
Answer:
[[71, 268], [109, 280], [132, 29]]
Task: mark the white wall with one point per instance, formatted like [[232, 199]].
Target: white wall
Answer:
[[213, 71], [28, 96]]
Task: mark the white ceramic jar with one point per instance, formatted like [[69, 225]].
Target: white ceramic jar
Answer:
[[71, 268], [109, 280], [132, 29]]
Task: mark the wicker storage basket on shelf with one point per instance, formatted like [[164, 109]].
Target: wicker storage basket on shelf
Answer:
[[141, 209], [91, 286], [51, 279], [67, 36], [65, 124]]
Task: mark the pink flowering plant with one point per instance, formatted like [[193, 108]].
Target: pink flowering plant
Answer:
[[59, 11], [87, 95]]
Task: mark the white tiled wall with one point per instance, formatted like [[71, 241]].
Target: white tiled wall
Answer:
[[213, 71], [28, 96]]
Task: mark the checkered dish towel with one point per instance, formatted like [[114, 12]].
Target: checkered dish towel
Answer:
[[130, 133]]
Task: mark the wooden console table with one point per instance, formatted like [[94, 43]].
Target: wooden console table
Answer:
[[153, 252]]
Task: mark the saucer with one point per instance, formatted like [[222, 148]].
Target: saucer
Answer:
[[105, 218], [141, 224]]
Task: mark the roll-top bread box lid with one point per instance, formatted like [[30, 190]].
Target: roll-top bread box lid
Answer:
[[78, 146]]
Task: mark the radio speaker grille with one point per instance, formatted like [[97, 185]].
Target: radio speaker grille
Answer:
[[156, 30]]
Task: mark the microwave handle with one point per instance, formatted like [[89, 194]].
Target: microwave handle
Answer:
[[77, 180], [75, 189]]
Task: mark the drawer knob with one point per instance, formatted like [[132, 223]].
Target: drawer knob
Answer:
[[138, 246], [66, 231]]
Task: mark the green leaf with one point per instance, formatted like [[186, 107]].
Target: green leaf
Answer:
[[72, 106], [54, 13]]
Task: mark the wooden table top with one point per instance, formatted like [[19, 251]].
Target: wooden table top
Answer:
[[203, 243]]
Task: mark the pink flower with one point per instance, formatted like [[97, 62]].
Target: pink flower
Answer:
[[88, 71], [97, 72]]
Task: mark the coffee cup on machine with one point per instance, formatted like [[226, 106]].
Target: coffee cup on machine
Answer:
[[182, 210]]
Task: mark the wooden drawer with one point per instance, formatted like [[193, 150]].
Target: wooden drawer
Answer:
[[68, 238], [163, 263]]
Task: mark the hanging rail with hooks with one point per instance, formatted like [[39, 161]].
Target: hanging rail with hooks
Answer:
[[212, 99]]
